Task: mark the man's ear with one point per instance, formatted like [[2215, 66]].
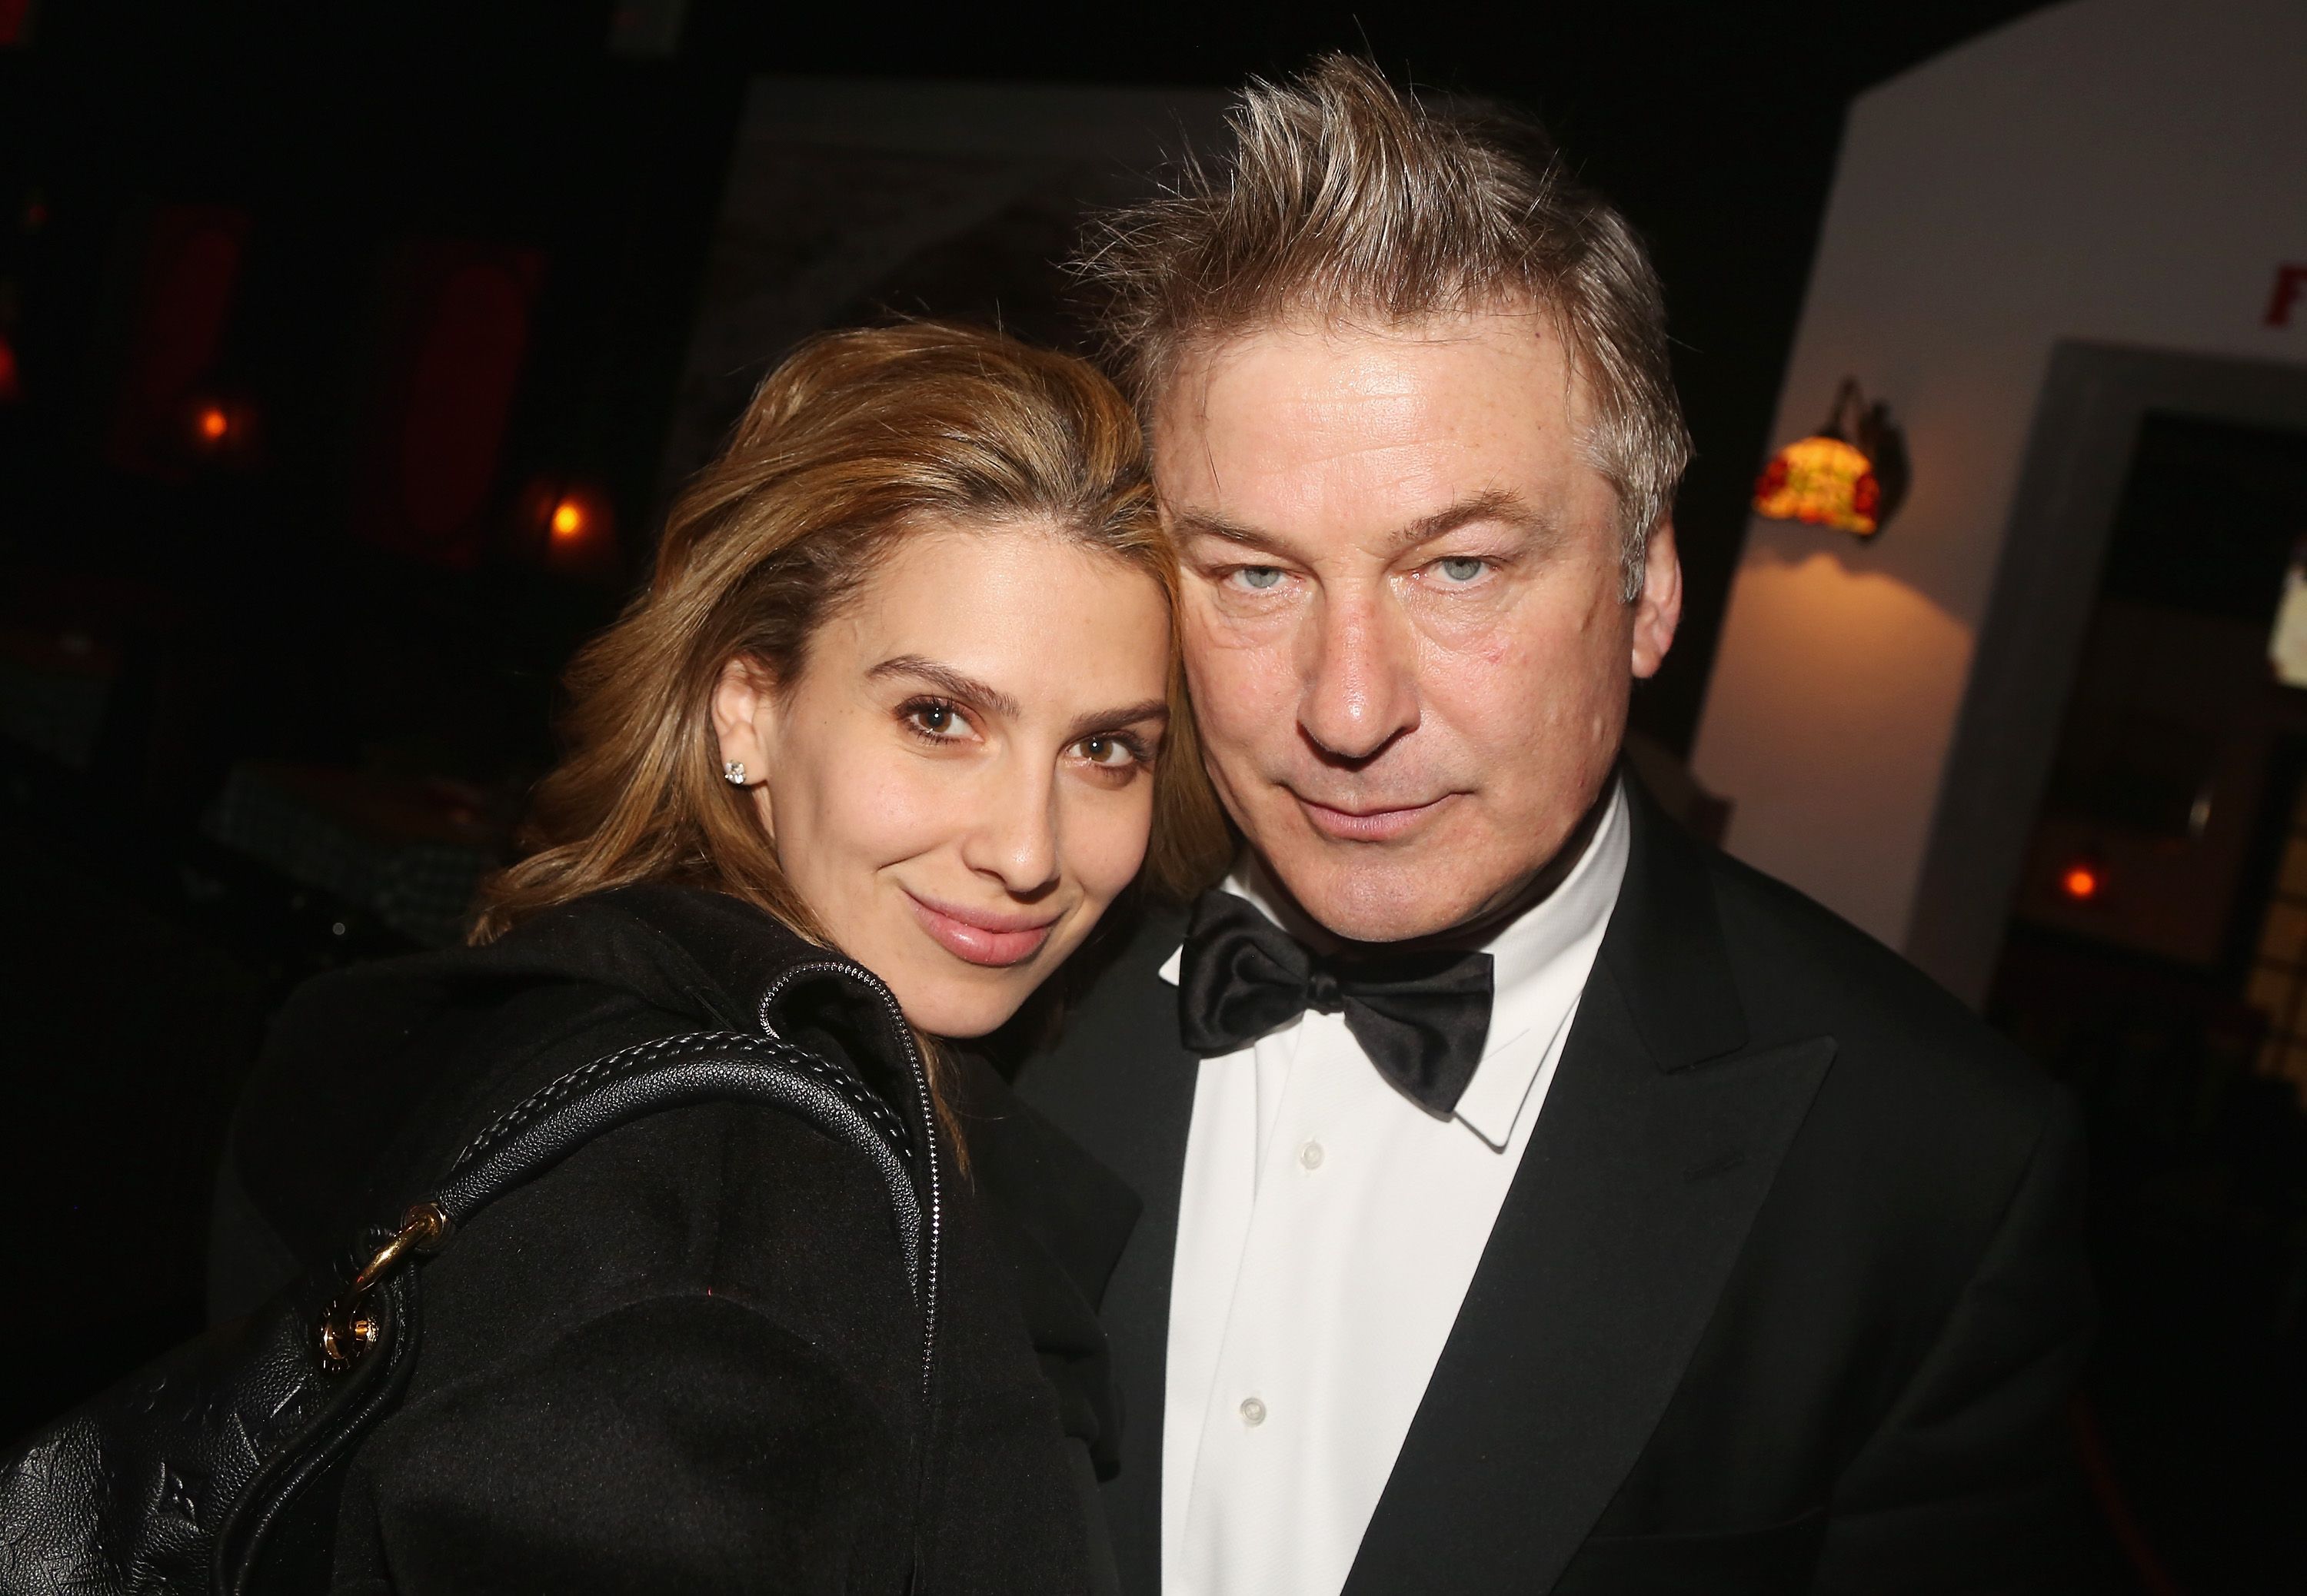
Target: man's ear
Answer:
[[1658, 611], [745, 725]]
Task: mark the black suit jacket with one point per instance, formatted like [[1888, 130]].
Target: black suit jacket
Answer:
[[1787, 1294]]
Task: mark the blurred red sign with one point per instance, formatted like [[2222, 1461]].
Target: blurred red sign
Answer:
[[2290, 288], [184, 302], [454, 333]]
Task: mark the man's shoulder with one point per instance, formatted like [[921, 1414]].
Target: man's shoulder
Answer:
[[1115, 982], [1906, 1049], [1111, 1020]]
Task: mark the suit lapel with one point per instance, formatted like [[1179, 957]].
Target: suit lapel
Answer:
[[1659, 1139], [1120, 1086]]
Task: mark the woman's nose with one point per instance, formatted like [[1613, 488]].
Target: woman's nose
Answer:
[[1014, 835]]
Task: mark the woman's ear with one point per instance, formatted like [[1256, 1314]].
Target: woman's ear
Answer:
[[745, 726]]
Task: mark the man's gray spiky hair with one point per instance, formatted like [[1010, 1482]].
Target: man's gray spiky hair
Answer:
[[1343, 196]]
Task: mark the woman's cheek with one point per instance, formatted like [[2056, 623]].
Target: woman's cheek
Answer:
[[899, 807], [1111, 843]]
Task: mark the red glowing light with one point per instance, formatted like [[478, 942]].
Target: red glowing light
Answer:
[[569, 523], [2081, 883], [212, 423]]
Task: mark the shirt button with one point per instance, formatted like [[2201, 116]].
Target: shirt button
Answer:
[[1310, 1157], [1253, 1412]]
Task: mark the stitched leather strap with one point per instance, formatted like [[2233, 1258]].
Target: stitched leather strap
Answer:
[[677, 1072]]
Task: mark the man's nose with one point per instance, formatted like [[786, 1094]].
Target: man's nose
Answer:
[[1014, 839], [1361, 680]]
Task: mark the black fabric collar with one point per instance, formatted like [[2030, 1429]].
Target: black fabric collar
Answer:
[[358, 1061], [347, 1067], [685, 949], [1665, 946]]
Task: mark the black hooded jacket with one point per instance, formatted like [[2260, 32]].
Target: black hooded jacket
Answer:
[[688, 1358]]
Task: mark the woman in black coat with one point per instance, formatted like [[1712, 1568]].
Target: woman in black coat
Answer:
[[889, 729]]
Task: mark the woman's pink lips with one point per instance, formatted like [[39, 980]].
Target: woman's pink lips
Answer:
[[982, 936], [1370, 826]]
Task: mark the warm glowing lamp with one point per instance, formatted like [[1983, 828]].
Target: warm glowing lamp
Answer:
[[2082, 882], [221, 429], [1849, 475], [573, 526]]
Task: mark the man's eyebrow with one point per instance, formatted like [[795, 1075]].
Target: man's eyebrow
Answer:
[[1209, 523], [1111, 720], [953, 684], [1498, 503]]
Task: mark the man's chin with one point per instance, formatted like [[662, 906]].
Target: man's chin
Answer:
[[1362, 899]]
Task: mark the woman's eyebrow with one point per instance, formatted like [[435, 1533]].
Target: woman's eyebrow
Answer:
[[953, 683], [1108, 719]]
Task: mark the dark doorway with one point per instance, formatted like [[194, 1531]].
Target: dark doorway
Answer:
[[2155, 958]]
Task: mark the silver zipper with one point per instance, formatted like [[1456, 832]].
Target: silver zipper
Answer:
[[925, 1117]]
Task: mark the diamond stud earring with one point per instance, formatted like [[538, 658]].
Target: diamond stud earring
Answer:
[[734, 771]]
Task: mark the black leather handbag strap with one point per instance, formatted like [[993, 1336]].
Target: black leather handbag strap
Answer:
[[701, 1067], [183, 1477]]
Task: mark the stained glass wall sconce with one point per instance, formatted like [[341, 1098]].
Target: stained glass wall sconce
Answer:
[[1849, 475]]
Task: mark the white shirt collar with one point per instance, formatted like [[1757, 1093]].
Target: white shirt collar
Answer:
[[1539, 963]]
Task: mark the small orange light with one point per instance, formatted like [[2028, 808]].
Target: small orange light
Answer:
[[570, 525], [2081, 883], [213, 423]]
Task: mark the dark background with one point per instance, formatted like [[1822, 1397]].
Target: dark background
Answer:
[[228, 614]]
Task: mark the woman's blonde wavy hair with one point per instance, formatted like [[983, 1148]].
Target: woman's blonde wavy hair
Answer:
[[856, 438]]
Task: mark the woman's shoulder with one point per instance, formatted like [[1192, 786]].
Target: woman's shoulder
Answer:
[[373, 1075], [364, 1076]]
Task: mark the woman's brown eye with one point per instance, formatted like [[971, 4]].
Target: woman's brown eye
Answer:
[[935, 719]]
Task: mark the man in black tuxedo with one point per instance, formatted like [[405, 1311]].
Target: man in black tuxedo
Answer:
[[1534, 1200]]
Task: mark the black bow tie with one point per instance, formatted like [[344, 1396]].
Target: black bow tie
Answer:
[[1421, 1016]]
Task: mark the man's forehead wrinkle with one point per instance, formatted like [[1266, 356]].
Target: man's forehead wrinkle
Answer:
[[1339, 319], [1195, 361], [1371, 408], [1381, 435]]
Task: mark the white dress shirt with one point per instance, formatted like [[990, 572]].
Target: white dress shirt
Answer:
[[1328, 1231]]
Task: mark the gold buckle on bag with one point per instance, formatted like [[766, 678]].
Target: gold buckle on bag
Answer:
[[348, 1329]]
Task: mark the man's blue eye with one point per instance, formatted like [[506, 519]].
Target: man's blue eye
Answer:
[[1463, 570], [1260, 577]]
